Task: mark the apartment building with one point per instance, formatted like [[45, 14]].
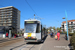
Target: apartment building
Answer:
[[71, 25], [10, 16]]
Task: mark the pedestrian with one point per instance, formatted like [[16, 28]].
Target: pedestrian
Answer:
[[52, 34], [55, 37], [6, 35], [58, 35]]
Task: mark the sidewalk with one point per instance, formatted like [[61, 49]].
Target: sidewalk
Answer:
[[52, 44], [9, 39]]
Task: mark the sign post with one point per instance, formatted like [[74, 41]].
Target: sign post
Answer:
[[9, 33]]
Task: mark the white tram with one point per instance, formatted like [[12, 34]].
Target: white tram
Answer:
[[34, 32]]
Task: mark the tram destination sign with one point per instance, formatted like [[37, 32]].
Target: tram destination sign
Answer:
[[31, 22]]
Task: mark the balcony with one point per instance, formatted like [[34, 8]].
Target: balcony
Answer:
[[5, 12], [6, 9], [8, 19], [8, 22], [2, 22], [71, 25], [4, 17]]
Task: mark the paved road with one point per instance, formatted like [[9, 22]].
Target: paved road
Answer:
[[49, 44]]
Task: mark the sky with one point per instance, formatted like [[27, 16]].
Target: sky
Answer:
[[52, 11]]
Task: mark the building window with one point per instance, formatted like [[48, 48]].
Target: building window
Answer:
[[5, 21], [14, 21], [1, 24], [9, 11], [2, 12], [5, 9], [9, 16], [69, 22], [9, 24], [2, 16], [5, 16], [9, 21], [2, 9], [74, 22], [2, 19]]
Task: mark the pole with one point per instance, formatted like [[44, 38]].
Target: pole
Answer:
[[34, 16], [67, 25]]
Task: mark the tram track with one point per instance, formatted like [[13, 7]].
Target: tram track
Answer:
[[27, 47], [33, 46]]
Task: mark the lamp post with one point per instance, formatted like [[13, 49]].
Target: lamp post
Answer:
[[66, 24]]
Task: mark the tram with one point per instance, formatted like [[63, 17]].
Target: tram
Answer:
[[34, 31]]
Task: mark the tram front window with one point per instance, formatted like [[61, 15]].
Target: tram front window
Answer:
[[30, 28]]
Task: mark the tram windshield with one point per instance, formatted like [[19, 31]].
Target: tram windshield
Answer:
[[30, 28]]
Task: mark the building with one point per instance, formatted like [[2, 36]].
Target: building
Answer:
[[10, 17], [71, 26]]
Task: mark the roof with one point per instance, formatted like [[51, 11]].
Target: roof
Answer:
[[68, 21], [6, 7], [9, 7], [32, 20]]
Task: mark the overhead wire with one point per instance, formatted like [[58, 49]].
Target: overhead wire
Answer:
[[31, 7]]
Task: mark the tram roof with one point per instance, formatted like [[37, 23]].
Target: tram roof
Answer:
[[32, 20]]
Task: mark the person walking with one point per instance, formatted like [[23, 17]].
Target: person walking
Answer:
[[6, 35], [52, 34], [58, 35]]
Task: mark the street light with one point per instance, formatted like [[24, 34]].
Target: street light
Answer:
[[66, 24]]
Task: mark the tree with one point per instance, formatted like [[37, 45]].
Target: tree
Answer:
[[58, 28], [50, 28], [54, 28]]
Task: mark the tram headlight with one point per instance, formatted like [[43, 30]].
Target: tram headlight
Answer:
[[33, 37]]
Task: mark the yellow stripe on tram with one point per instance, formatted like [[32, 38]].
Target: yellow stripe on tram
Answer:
[[29, 34]]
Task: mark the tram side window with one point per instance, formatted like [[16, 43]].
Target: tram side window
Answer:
[[38, 28]]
